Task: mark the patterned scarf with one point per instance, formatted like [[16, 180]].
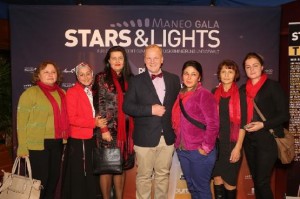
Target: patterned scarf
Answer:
[[251, 91], [234, 108], [121, 131], [61, 123]]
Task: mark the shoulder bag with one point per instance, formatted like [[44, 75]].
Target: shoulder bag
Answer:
[[18, 186], [199, 125], [285, 145], [189, 118]]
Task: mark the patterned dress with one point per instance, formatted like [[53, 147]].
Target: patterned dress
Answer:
[[106, 105]]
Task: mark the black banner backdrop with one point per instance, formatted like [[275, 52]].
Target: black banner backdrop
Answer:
[[71, 34]]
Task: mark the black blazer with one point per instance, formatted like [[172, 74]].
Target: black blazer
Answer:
[[273, 103], [139, 98]]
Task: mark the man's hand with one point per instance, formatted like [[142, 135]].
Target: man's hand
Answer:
[[158, 110]]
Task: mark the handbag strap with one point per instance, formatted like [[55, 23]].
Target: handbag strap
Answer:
[[99, 143], [189, 118], [17, 164], [262, 117]]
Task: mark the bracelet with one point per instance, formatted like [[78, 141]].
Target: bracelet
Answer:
[[104, 129]]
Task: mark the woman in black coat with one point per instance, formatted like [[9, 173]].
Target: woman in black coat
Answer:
[[259, 144]]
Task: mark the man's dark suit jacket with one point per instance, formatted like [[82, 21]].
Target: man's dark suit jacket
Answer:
[[139, 98]]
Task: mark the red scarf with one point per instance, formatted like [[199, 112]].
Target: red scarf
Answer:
[[251, 91], [61, 123], [121, 131], [234, 108], [176, 112]]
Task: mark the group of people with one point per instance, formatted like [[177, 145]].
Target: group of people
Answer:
[[153, 115]]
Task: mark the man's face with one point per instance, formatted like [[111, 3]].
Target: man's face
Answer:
[[153, 60]]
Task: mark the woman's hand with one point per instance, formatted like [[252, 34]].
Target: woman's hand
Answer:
[[235, 155], [202, 152], [100, 122], [254, 126], [106, 136]]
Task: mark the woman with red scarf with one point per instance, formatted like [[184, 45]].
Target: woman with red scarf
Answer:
[[259, 144], [195, 146], [231, 135], [42, 124], [109, 89]]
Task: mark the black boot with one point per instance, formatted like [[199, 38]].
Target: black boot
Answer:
[[219, 191], [231, 194]]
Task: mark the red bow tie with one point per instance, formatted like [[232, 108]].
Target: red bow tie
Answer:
[[155, 76]]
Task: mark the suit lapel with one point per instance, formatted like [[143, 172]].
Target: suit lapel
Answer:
[[168, 85]]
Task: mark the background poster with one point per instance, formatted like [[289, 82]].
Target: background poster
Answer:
[[293, 186], [69, 35]]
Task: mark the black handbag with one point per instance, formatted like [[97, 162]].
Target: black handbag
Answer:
[[107, 160]]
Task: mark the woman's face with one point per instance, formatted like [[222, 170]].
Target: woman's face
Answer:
[[190, 77], [227, 75], [116, 61], [48, 75], [253, 69], [85, 76]]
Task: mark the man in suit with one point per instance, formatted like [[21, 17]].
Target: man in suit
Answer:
[[149, 99]]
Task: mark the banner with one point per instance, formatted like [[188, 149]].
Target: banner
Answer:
[[69, 35], [293, 186], [72, 34]]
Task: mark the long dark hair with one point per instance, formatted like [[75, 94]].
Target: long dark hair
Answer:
[[126, 71]]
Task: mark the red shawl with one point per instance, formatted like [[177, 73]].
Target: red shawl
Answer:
[[61, 123], [234, 108], [251, 91], [176, 109], [121, 131]]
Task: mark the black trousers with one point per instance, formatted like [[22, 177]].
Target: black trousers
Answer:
[[45, 166], [261, 153]]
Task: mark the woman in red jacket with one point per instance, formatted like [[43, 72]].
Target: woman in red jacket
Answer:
[[79, 181]]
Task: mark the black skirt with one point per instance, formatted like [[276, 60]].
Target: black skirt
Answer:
[[228, 171], [79, 180]]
